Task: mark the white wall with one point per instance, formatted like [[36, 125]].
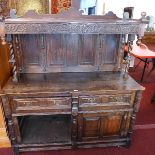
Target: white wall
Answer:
[[117, 6], [139, 6], [85, 4]]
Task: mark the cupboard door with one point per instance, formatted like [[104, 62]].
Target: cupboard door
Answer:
[[100, 125]]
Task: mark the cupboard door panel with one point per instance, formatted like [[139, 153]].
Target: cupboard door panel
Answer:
[[98, 126], [91, 126], [110, 125]]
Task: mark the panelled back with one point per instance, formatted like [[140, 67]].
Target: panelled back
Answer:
[[61, 52]]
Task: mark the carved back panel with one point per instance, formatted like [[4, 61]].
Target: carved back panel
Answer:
[[69, 42], [68, 53]]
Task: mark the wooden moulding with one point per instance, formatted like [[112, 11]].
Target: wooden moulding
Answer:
[[72, 21]]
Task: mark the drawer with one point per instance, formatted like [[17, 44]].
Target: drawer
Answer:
[[40, 104], [103, 99]]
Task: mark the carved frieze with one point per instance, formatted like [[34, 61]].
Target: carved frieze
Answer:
[[72, 21], [69, 27]]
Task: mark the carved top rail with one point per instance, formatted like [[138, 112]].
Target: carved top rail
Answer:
[[73, 21], [80, 26]]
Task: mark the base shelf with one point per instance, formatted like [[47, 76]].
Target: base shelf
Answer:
[[46, 129]]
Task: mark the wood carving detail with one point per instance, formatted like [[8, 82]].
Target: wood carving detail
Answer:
[[119, 99], [80, 28], [15, 55]]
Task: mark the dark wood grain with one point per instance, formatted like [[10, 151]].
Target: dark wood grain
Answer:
[[68, 88], [66, 53], [65, 82], [47, 129], [4, 64], [100, 107]]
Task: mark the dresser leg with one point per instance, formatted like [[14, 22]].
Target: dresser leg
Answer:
[[128, 143], [16, 150]]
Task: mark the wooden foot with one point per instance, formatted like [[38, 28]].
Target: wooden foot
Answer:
[[16, 151]]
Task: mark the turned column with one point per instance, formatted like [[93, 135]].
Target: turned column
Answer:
[[10, 126], [74, 118]]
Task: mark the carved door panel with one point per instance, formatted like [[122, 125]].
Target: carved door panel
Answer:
[[100, 125]]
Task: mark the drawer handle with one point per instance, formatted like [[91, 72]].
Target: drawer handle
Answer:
[[27, 103], [116, 99], [91, 100]]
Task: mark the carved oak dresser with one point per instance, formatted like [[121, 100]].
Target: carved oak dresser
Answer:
[[69, 86]]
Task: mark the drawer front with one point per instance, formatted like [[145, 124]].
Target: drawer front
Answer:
[[101, 99], [104, 100], [31, 104]]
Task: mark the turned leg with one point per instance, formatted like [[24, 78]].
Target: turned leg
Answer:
[[74, 119], [16, 150], [10, 124]]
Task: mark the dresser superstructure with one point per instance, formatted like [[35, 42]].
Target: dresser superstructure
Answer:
[[70, 87]]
